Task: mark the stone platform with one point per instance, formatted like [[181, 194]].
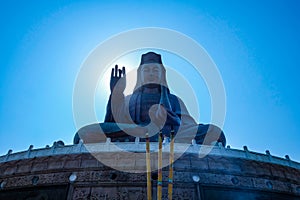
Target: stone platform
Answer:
[[117, 171]]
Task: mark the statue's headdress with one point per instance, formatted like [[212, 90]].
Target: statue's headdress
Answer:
[[148, 58], [151, 57]]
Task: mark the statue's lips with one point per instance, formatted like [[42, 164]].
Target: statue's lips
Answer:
[[152, 79]]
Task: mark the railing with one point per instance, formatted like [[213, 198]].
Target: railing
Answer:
[[108, 146]]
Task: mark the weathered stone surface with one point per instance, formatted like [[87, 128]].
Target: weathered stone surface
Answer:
[[220, 174]]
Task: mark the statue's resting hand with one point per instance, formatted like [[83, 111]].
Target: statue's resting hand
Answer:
[[163, 116], [117, 80], [171, 119]]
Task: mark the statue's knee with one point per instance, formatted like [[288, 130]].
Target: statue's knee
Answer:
[[214, 129]]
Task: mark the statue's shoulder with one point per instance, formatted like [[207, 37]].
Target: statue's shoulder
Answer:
[[174, 97]]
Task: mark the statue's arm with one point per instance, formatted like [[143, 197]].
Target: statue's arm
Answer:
[[181, 110], [114, 109], [108, 115], [116, 100], [117, 109]]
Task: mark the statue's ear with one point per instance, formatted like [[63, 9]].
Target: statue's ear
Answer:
[[142, 78]]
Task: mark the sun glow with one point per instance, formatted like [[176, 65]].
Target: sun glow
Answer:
[[103, 86], [104, 81]]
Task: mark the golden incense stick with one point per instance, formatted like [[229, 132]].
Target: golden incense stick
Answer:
[[170, 185], [148, 165], [159, 180]]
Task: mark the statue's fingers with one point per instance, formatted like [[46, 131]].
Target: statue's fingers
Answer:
[[116, 70], [123, 71], [112, 72], [120, 73]]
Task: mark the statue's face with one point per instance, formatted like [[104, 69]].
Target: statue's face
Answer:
[[151, 73]]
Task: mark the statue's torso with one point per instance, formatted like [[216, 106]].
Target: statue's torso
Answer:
[[147, 100]]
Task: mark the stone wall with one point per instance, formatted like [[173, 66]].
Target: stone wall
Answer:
[[69, 172]]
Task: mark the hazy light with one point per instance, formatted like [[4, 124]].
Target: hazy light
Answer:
[[104, 80], [2, 185], [72, 177], [196, 178]]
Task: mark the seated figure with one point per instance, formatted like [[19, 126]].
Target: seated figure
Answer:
[[150, 109]]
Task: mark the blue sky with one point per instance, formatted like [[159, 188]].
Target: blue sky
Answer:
[[254, 44]]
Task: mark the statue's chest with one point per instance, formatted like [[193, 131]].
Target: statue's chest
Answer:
[[147, 100]]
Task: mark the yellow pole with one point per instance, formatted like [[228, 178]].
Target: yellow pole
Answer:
[[170, 185], [148, 165], [159, 180]]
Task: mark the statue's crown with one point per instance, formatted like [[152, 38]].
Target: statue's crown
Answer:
[[151, 57]]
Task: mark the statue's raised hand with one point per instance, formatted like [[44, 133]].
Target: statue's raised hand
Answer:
[[118, 80]]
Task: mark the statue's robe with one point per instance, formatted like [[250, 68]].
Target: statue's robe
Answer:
[[127, 118]]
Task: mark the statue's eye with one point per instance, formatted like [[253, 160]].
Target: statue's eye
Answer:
[[156, 70]]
